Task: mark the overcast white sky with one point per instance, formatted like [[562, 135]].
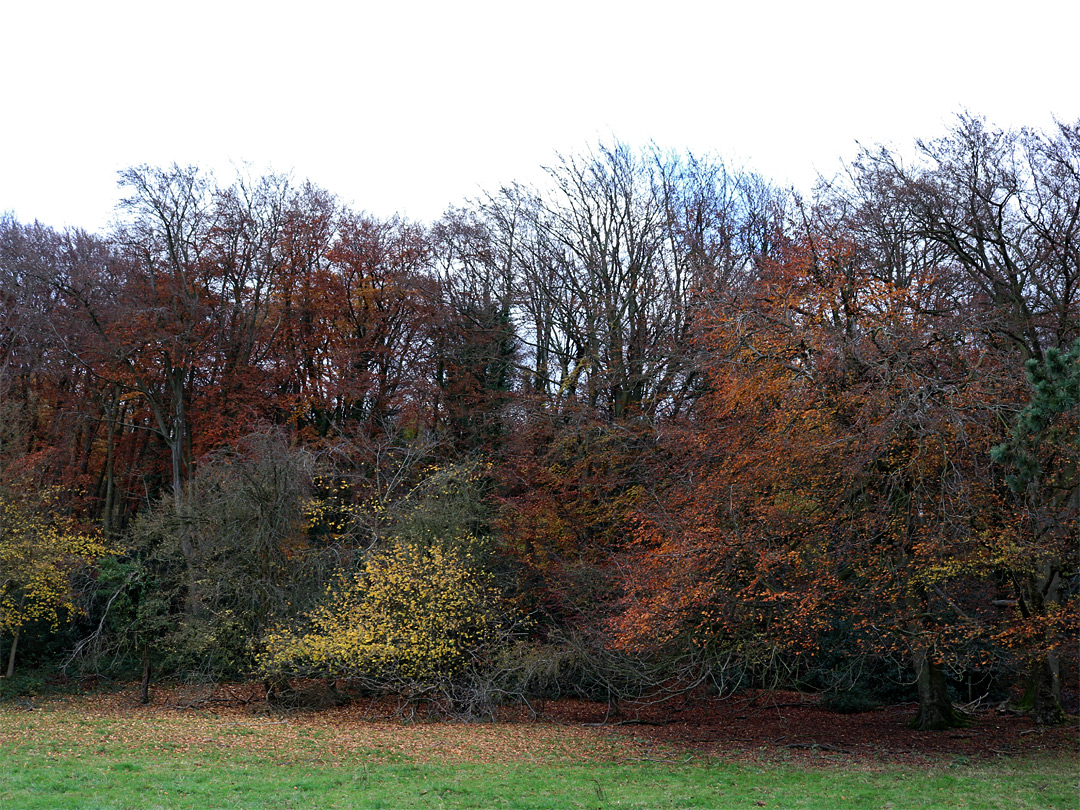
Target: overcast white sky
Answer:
[[411, 106]]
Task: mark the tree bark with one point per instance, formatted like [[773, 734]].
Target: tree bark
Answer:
[[110, 465], [144, 684], [15, 640], [936, 711], [1043, 592], [1044, 685], [11, 654]]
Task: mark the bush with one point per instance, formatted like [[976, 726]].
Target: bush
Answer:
[[417, 622], [21, 684], [198, 587]]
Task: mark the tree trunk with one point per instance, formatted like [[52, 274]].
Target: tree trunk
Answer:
[[11, 655], [1044, 685], [144, 685], [1042, 592], [15, 640], [110, 466], [936, 711]]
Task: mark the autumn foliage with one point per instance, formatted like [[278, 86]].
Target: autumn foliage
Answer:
[[694, 432], [413, 618]]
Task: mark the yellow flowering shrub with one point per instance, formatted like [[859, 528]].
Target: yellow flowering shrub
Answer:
[[412, 613]]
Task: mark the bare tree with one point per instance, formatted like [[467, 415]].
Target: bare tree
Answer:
[[606, 264]]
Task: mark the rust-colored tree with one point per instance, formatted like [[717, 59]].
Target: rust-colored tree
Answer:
[[832, 469]]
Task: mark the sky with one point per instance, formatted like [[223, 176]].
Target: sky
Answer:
[[410, 107]]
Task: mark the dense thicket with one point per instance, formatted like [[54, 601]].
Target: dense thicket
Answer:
[[654, 426]]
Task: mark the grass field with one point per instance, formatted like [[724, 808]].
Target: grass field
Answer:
[[69, 755]]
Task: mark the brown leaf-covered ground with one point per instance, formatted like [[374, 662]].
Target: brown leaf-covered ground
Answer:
[[765, 725], [782, 723]]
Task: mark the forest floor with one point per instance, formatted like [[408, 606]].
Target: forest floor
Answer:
[[753, 726], [792, 725]]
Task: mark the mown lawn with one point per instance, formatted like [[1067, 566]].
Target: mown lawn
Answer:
[[68, 756]]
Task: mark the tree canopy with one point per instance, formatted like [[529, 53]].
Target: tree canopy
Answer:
[[655, 424]]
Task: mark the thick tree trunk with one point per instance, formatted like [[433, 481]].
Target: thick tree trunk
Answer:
[[1045, 676], [1042, 593], [1044, 685], [936, 711]]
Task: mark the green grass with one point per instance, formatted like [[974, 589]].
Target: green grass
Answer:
[[114, 779], [64, 760]]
